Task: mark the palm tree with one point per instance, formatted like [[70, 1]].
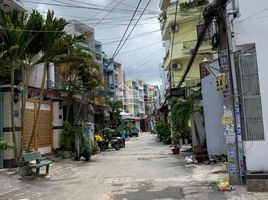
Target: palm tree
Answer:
[[52, 43], [18, 48]]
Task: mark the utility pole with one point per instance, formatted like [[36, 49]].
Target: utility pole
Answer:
[[231, 117]]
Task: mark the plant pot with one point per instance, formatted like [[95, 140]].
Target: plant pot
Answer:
[[87, 156], [186, 141], [66, 154], [181, 141], [176, 151], [201, 157]]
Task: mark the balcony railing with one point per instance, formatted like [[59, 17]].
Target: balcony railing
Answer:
[[191, 44]]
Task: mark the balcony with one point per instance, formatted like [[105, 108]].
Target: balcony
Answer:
[[182, 17], [188, 45]]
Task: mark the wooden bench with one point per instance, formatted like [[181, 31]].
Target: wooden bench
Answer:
[[35, 160]]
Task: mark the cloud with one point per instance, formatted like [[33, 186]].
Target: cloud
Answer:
[[143, 64]]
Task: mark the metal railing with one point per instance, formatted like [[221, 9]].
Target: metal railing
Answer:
[[191, 44]]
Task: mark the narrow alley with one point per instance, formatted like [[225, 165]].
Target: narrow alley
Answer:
[[144, 170]]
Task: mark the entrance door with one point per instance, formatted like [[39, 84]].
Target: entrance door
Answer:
[[42, 139]]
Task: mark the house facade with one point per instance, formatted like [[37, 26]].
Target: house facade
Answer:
[[179, 37]]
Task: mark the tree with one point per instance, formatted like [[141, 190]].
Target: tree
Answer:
[[182, 111], [116, 107], [53, 44], [79, 73], [18, 49]]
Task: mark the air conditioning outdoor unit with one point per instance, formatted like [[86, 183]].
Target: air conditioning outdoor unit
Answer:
[[176, 66]]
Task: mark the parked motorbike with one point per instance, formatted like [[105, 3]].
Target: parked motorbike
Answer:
[[120, 141], [109, 141]]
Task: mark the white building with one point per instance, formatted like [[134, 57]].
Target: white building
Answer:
[[250, 43]]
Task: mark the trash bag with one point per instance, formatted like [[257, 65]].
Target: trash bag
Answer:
[[189, 159], [224, 185]]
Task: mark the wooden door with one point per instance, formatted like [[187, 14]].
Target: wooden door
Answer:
[[42, 140]]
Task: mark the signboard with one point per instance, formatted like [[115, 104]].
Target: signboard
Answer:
[[147, 121], [226, 120], [221, 82], [178, 92], [157, 118]]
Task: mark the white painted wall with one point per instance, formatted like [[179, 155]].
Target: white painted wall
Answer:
[[9, 154], [57, 122], [213, 112], [251, 27]]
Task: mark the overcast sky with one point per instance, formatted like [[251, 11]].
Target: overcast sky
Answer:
[[144, 63]]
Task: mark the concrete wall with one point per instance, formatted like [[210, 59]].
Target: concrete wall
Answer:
[[213, 112], [250, 27], [57, 122], [9, 154]]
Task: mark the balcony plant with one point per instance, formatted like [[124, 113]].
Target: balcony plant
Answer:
[[192, 4], [162, 17]]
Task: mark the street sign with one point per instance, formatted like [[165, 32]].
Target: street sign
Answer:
[[221, 82]]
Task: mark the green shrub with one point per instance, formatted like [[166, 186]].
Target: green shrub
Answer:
[[5, 145], [163, 131]]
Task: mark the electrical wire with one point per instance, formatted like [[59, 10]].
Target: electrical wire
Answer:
[[140, 48], [108, 14], [133, 28], [82, 7], [124, 33]]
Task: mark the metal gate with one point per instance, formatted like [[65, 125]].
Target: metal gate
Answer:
[[249, 96], [42, 140]]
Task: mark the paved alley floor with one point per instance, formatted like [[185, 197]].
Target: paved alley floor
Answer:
[[144, 170]]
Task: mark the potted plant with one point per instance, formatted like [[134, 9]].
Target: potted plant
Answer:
[[4, 145], [200, 153], [176, 143], [67, 140]]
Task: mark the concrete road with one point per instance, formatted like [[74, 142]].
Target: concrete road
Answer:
[[144, 170]]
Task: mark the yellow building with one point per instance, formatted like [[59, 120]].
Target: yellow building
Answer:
[[183, 36]]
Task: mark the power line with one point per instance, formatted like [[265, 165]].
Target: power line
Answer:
[[133, 27], [108, 13], [145, 61], [82, 7], [143, 47], [125, 33]]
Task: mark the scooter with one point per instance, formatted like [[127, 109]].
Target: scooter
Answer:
[[108, 141]]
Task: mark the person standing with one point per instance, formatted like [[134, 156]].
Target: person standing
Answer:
[[123, 136]]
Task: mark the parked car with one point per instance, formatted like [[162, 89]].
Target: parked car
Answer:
[[134, 132]]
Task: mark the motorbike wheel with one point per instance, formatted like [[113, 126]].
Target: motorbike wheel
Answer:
[[116, 146]]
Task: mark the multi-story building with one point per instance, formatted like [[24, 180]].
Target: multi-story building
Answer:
[[180, 36], [142, 98]]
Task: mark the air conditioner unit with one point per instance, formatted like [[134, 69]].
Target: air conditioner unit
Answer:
[[176, 66]]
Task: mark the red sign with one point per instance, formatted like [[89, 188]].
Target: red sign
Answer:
[[157, 118], [147, 121]]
